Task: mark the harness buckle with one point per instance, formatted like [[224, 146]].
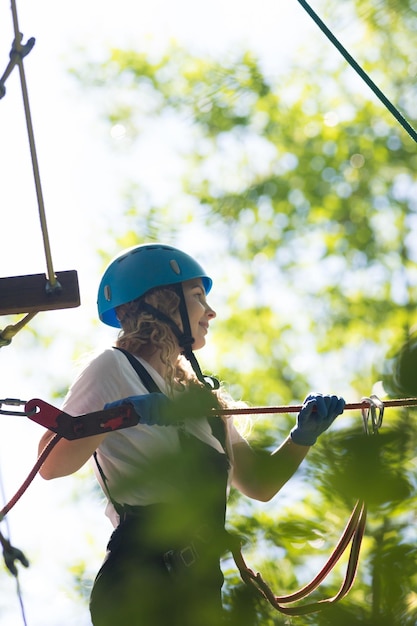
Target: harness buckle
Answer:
[[177, 559], [188, 555]]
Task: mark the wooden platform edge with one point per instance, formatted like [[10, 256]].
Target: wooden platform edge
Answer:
[[29, 294]]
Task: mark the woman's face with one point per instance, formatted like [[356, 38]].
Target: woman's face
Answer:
[[199, 311]]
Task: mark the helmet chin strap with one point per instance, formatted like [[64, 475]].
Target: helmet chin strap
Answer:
[[187, 341], [185, 338]]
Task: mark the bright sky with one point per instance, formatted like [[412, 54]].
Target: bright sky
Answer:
[[81, 185]]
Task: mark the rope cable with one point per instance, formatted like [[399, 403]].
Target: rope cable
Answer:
[[353, 63], [18, 53], [262, 410], [12, 551], [35, 469], [7, 334]]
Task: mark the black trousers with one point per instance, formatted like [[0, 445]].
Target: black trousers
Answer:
[[142, 585]]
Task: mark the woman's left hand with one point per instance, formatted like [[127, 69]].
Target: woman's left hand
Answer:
[[317, 414]]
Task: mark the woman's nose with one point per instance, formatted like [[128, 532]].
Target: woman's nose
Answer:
[[211, 313]]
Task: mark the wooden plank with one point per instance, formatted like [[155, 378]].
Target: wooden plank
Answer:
[[28, 294]]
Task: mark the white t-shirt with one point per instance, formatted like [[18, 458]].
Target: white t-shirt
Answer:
[[136, 452]]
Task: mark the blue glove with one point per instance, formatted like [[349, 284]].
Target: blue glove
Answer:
[[157, 409], [152, 408], [317, 414]]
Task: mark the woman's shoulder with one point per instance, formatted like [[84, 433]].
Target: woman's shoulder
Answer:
[[100, 380], [99, 366], [109, 357]]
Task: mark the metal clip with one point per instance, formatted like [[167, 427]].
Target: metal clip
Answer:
[[374, 413], [14, 402]]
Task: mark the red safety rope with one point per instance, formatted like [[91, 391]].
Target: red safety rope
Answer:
[[364, 404], [353, 534], [12, 554], [40, 461]]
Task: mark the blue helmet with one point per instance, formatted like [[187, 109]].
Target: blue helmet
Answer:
[[139, 269]]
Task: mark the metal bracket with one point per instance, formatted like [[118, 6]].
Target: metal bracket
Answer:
[[86, 425], [17, 53]]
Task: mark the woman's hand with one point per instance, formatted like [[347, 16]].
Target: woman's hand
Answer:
[[156, 409], [317, 414]]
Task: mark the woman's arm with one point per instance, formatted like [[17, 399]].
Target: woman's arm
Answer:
[[101, 381], [261, 475], [151, 408], [67, 456]]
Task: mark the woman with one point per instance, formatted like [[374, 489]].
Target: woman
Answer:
[[166, 479]]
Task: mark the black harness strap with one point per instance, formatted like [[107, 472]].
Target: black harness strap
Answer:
[[141, 371], [152, 387]]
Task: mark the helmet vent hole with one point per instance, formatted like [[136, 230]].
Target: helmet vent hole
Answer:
[[174, 266], [107, 292]]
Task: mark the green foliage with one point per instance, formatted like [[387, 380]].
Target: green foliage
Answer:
[[82, 580], [400, 368]]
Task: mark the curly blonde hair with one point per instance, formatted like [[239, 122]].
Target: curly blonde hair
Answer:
[[140, 328]]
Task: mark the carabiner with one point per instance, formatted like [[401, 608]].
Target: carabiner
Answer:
[[15, 402], [375, 411]]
